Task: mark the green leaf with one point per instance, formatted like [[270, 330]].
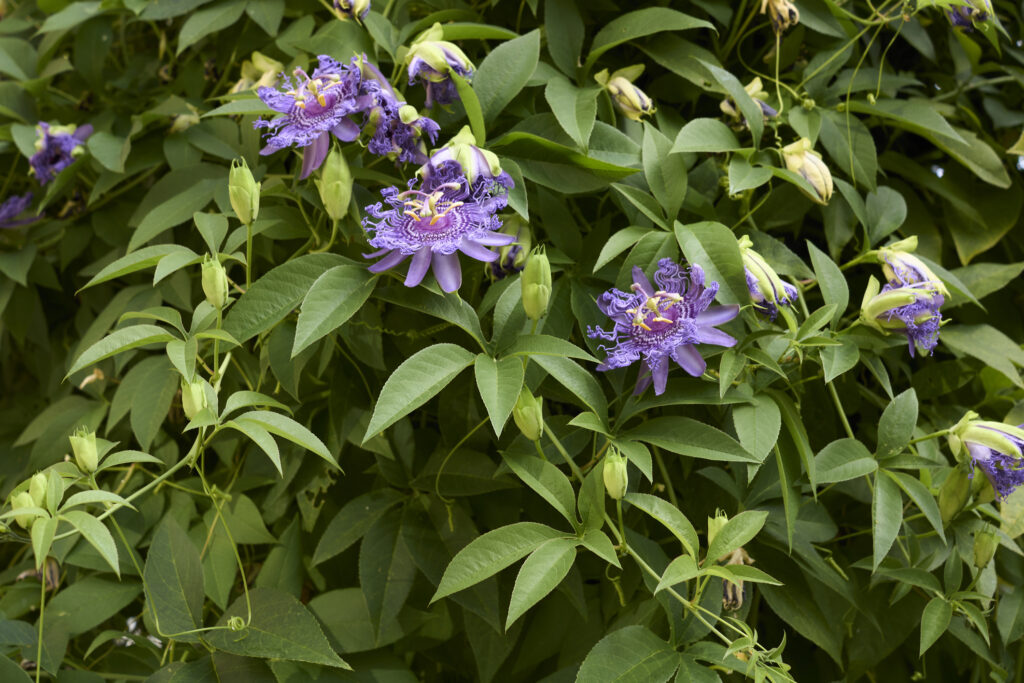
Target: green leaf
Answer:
[[96, 534], [665, 172], [43, 530], [209, 20], [546, 345], [638, 24], [262, 438], [714, 247], [94, 496], [287, 428], [849, 143], [706, 135], [751, 110], [632, 654], [549, 482], [737, 531], [923, 499], [831, 280], [353, 520], [386, 571], [689, 437], [835, 360], [174, 199], [743, 176], [449, 307], [987, 344], [543, 570], [618, 243], [472, 106], [577, 380], [416, 381], [332, 299], [575, 108], [119, 341], [897, 424], [562, 18], [498, 382], [504, 72], [934, 622], [281, 628], [757, 425], [886, 211], [487, 555], [213, 227], [670, 516], [276, 294], [842, 460], [174, 583], [151, 401], [681, 569], [886, 515], [110, 150], [246, 399]]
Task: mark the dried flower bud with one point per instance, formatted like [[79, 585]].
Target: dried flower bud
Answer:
[[243, 191], [536, 284], [782, 14], [83, 445], [799, 157], [23, 500], [528, 414], [352, 9], [615, 473], [335, 185], [193, 398], [953, 494], [215, 283], [985, 543]]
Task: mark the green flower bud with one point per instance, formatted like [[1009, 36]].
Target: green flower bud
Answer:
[[616, 476], [215, 282], [536, 284], [528, 414], [801, 158], [629, 99], [83, 445], [23, 500], [243, 191], [335, 185], [715, 525], [985, 543], [953, 494], [37, 489], [193, 398], [433, 59]]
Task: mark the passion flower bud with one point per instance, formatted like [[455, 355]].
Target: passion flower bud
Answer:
[[985, 543], [616, 476], [243, 191], [536, 284], [37, 489], [781, 13], [757, 93], [193, 398], [953, 494], [995, 448], [83, 445], [629, 99], [910, 309], [215, 282], [476, 162], [335, 185], [528, 414], [766, 288], [23, 500], [901, 267], [801, 158], [715, 525], [352, 9], [512, 257]]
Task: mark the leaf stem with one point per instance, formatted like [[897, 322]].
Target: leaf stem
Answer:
[[839, 409]]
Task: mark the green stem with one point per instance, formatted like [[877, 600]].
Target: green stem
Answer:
[[437, 478], [664, 475], [839, 409], [933, 435], [42, 614], [622, 526], [248, 255], [568, 459]]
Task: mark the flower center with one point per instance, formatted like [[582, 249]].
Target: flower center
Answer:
[[315, 93], [430, 211], [657, 313]]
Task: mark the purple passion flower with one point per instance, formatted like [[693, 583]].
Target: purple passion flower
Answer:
[[654, 325], [314, 108], [445, 215], [13, 207], [477, 163], [911, 309], [432, 61], [767, 290], [400, 132], [56, 148], [901, 267], [994, 447]]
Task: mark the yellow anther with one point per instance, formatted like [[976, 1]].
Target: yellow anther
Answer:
[[321, 99]]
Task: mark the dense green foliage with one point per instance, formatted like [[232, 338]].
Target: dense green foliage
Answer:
[[303, 470]]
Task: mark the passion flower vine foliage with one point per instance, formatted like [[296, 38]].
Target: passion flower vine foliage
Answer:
[[340, 341]]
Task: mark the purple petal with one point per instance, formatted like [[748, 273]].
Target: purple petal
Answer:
[[418, 267], [643, 381], [313, 155], [477, 251], [641, 280], [496, 239], [709, 335], [717, 315], [689, 359], [346, 131], [389, 261], [447, 271], [82, 132], [660, 374]]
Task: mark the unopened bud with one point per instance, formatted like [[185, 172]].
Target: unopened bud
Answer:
[[215, 283], [37, 489], [352, 9], [536, 284], [193, 398], [243, 191], [715, 524], [985, 543], [953, 494], [83, 445], [335, 185], [23, 500], [801, 158], [528, 414], [629, 99], [616, 476]]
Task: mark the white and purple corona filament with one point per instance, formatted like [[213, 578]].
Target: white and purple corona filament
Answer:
[[445, 215], [654, 325], [1004, 470]]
